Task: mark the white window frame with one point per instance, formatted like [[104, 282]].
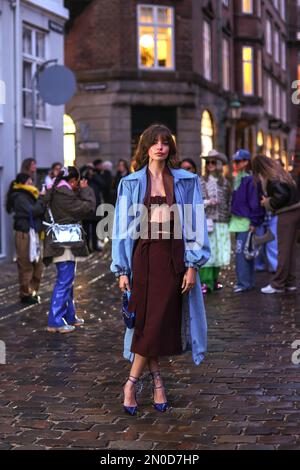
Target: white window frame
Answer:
[[155, 26], [207, 49], [35, 61], [252, 64]]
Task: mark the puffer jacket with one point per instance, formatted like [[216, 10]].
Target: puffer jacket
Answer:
[[281, 195], [68, 207], [28, 211]]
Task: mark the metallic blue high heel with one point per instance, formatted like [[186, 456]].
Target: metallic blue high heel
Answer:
[[131, 410], [162, 407]]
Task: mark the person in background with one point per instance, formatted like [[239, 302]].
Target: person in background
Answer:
[[216, 192], [27, 204], [103, 178], [122, 171], [55, 169], [247, 214], [70, 200], [281, 197], [29, 166], [189, 165]]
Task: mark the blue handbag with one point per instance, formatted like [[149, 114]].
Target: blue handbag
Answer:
[[128, 317]]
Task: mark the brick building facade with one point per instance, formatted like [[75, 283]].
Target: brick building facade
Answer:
[[217, 72]]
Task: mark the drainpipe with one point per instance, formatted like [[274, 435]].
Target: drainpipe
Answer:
[[15, 5]]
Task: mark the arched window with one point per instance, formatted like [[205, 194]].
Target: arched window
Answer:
[[69, 141], [207, 133]]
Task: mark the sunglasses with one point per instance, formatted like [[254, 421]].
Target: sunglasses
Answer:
[[211, 162]]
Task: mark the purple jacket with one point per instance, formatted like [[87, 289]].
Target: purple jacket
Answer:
[[246, 201]]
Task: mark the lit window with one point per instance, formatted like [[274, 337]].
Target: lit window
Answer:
[[34, 53], [207, 51], [269, 149], [207, 133], [247, 54], [69, 141], [269, 41], [247, 6], [156, 37], [226, 64], [260, 140], [277, 147]]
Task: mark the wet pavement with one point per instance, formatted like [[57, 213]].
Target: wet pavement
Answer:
[[64, 391]]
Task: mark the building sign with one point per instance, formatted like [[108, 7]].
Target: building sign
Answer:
[[58, 28]]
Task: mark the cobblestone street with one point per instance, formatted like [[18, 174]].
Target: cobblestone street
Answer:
[[64, 391]]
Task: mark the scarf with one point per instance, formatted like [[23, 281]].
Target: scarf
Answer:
[[26, 187]]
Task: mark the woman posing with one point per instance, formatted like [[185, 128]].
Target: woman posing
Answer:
[[69, 200], [281, 197], [158, 267], [216, 192]]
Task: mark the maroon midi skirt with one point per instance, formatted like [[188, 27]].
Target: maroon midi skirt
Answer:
[[156, 298]]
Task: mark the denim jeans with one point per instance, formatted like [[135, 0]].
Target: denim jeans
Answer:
[[62, 309], [244, 268], [269, 252]]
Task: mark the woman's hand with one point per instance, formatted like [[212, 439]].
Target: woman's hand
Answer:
[[124, 283], [189, 280], [263, 201]]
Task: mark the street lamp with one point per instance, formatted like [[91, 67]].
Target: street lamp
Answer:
[[235, 108], [39, 69]]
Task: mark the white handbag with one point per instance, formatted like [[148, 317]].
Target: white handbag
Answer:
[[34, 246], [64, 234]]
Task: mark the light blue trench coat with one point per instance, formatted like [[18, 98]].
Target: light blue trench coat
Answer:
[[187, 191]]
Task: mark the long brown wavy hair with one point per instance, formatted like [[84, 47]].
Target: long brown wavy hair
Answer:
[[147, 139], [270, 170]]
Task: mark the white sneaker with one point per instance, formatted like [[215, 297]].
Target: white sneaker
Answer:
[[271, 290]]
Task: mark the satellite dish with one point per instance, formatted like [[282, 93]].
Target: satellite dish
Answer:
[[56, 84]]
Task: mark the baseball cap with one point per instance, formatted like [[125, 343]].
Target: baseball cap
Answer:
[[241, 154]]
